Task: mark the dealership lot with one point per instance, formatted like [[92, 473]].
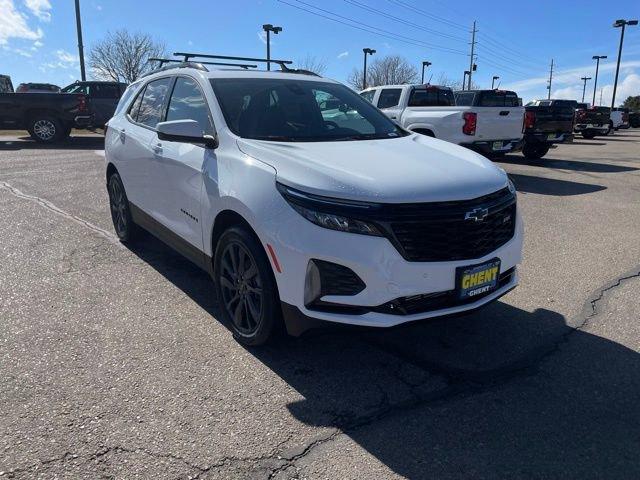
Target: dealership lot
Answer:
[[114, 364]]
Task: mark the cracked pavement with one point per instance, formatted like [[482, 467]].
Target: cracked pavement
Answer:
[[114, 365]]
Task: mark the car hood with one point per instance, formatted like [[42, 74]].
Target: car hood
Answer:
[[409, 169]]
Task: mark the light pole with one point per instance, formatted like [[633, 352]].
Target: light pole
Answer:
[[464, 78], [366, 51], [424, 65], [584, 85], [619, 23], [267, 27], [597, 58], [80, 47], [495, 77]]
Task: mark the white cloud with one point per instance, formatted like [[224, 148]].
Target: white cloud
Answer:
[[66, 57], [99, 8], [36, 45], [39, 8], [343, 54], [13, 24], [262, 36], [64, 60]]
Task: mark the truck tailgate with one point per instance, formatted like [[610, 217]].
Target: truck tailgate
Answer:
[[499, 123], [552, 119]]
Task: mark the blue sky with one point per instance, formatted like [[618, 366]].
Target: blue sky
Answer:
[[516, 40]]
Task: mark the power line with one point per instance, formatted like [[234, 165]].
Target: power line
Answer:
[[504, 47], [429, 15], [503, 56], [485, 57], [473, 46], [403, 21], [370, 28]]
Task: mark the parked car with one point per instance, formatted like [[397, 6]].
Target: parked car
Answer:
[[5, 84], [634, 119], [37, 88], [103, 96], [431, 110], [547, 122], [47, 117], [348, 219], [592, 121], [620, 118]]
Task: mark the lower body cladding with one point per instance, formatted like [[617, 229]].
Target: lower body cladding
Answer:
[[364, 280], [489, 147]]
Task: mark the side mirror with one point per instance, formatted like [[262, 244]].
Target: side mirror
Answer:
[[187, 131]]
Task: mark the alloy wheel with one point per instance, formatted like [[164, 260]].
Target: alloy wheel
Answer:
[[241, 287], [118, 204], [44, 129]]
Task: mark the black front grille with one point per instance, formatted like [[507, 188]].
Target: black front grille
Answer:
[[337, 279], [434, 232]]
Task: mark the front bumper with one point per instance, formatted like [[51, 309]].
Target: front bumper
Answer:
[[488, 147], [83, 121], [386, 274]]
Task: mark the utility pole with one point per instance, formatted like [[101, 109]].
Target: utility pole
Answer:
[[464, 78], [366, 51], [80, 47], [601, 97], [495, 77], [597, 58], [550, 79], [584, 85], [424, 64], [267, 27], [618, 24], [473, 45]]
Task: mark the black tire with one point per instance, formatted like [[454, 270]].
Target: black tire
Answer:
[[588, 135], [535, 152], [65, 133], [45, 129], [246, 288], [123, 224]]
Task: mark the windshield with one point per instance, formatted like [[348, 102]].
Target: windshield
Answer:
[[286, 110]]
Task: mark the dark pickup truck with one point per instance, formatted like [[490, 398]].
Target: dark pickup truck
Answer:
[[592, 121], [547, 122], [49, 117]]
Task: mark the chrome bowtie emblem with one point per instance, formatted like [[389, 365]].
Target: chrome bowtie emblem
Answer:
[[477, 214]]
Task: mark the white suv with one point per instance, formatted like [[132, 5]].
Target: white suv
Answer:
[[306, 203]]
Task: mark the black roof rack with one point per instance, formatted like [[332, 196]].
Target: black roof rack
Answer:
[[282, 63], [162, 61]]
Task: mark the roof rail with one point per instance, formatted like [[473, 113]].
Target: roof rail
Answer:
[[180, 64], [162, 61], [282, 63]]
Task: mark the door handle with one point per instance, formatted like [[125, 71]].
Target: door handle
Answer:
[[122, 135], [393, 118], [504, 112]]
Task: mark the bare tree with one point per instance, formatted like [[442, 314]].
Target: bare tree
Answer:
[[313, 64], [389, 70], [446, 81], [123, 56]]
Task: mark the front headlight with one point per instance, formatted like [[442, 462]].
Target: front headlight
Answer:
[[512, 187], [328, 212]]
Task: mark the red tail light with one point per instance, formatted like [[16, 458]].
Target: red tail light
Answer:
[[580, 115], [82, 103], [529, 120], [470, 123]]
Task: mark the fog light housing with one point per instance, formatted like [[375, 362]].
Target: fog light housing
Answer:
[[327, 278]]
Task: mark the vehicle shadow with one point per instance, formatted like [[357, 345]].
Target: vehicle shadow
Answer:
[[500, 393], [575, 165], [600, 144], [80, 142], [552, 186]]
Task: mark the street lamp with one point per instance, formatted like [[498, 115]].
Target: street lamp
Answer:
[[424, 65], [584, 85], [267, 27], [495, 77], [597, 58], [619, 23], [366, 51]]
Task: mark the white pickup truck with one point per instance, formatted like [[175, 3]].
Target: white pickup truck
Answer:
[[489, 121]]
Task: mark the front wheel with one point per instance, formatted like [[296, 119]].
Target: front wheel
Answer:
[[245, 287], [535, 152], [45, 129]]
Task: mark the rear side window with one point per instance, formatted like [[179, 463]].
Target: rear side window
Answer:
[[494, 98], [188, 103], [124, 100], [152, 104], [465, 99], [74, 88], [389, 97], [106, 91], [431, 97], [368, 95]]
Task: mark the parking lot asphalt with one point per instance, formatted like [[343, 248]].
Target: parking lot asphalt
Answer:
[[114, 365]]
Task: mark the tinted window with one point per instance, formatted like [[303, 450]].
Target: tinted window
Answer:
[[188, 103], [431, 97], [389, 97], [368, 95], [286, 110], [495, 98], [75, 88], [150, 112], [106, 91], [464, 99]]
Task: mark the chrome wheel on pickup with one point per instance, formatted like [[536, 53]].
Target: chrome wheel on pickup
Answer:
[[45, 129]]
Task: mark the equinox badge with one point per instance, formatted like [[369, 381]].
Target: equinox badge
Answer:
[[477, 214]]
